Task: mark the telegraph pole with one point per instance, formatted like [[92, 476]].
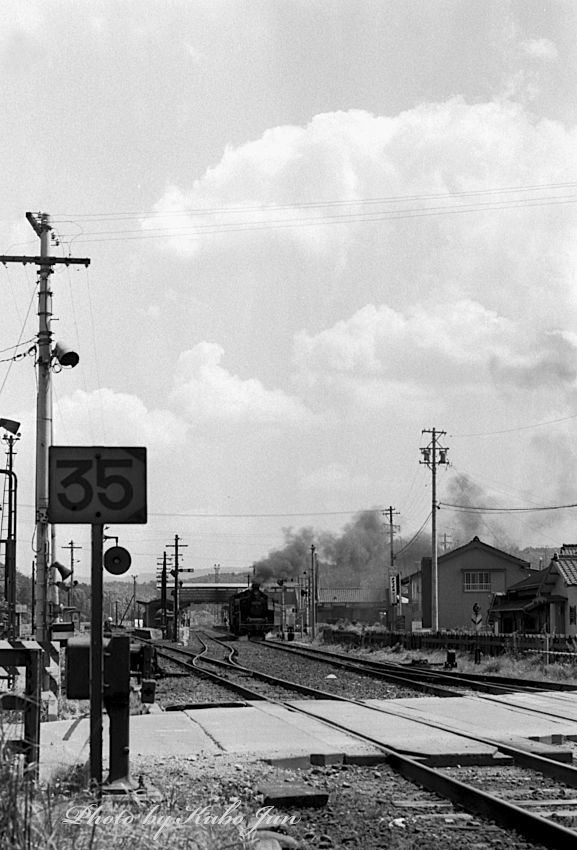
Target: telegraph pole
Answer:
[[176, 546], [40, 223], [391, 512], [313, 592], [72, 546], [163, 593], [434, 455]]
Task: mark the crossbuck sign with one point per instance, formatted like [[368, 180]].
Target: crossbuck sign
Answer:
[[97, 485]]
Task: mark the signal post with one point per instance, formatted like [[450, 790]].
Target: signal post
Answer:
[[99, 485]]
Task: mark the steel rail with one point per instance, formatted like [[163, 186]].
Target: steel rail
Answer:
[[256, 674], [482, 683], [531, 825]]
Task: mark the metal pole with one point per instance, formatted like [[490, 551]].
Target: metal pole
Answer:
[[96, 682], [10, 552], [43, 433]]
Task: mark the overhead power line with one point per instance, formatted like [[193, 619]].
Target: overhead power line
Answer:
[[412, 540], [485, 509], [256, 515], [519, 428], [280, 224], [127, 215]]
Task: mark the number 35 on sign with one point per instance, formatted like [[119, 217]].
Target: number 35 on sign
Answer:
[[96, 485]]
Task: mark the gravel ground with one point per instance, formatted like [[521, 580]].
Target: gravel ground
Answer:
[[369, 808], [313, 674]]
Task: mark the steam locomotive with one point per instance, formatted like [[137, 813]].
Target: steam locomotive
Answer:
[[251, 613]]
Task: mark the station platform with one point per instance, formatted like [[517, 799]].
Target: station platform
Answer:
[[275, 733]]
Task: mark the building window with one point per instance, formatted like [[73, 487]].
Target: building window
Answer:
[[476, 581], [573, 615]]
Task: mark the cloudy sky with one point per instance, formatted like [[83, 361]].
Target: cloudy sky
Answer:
[[315, 229]]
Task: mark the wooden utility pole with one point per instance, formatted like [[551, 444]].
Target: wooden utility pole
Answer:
[[390, 512], [433, 456], [163, 603], [177, 545], [40, 223], [72, 546]]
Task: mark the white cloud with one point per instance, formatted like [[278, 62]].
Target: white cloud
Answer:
[[540, 48], [382, 341], [210, 394], [334, 478], [105, 417]]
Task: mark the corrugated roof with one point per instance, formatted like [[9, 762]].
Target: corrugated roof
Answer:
[[340, 595]]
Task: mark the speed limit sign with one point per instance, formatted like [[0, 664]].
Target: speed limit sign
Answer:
[[96, 485]]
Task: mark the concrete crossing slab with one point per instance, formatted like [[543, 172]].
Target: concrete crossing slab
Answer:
[[271, 731], [401, 733], [65, 743], [527, 715], [559, 705], [278, 732]]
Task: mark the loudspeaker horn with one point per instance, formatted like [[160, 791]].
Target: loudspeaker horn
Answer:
[[65, 572]]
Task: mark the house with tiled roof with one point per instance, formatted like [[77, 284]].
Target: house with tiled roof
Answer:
[[347, 603], [468, 579], [544, 602]]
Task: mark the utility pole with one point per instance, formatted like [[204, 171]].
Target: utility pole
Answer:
[[163, 603], [434, 455], [72, 546], [176, 546], [40, 223], [313, 592], [391, 512]]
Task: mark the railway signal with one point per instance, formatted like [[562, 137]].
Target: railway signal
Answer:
[[98, 485]]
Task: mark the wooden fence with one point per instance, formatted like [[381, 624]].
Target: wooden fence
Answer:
[[27, 654], [558, 647]]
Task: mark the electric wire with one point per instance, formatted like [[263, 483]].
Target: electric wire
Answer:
[[268, 515], [518, 428], [95, 350], [415, 536], [489, 510], [248, 227], [11, 360], [119, 216]]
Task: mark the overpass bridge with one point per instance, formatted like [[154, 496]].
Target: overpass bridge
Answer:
[[206, 593]]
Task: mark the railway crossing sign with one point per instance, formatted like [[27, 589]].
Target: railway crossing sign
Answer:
[[97, 485], [477, 619]]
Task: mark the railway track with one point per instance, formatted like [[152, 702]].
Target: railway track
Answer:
[[497, 793], [445, 681]]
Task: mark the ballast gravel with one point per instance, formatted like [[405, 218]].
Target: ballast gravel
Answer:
[[368, 808]]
